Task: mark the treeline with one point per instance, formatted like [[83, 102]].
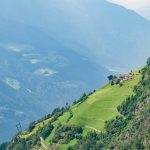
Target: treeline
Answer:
[[57, 112], [130, 130], [64, 134], [71, 132], [83, 98], [19, 143]]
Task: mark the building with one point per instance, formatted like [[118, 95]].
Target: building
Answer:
[[125, 77]]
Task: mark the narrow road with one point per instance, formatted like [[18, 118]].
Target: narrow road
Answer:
[[42, 143]]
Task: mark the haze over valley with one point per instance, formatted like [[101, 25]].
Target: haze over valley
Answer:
[[52, 52]]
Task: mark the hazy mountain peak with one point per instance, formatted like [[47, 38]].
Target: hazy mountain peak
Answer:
[[55, 46]]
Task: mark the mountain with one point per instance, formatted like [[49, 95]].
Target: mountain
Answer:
[[53, 51], [113, 117], [130, 130], [104, 32], [34, 68]]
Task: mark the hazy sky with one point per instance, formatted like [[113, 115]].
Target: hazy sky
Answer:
[[140, 6]]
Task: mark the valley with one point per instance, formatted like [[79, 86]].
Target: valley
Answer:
[[52, 52]]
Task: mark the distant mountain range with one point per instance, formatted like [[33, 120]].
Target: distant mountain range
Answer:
[[53, 51], [38, 74], [105, 32]]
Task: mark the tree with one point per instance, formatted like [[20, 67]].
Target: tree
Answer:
[[67, 104], [148, 61], [110, 77], [121, 84], [112, 83], [31, 126], [3, 146]]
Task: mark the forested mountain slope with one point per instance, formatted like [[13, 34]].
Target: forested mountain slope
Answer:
[[130, 130], [114, 117], [52, 51]]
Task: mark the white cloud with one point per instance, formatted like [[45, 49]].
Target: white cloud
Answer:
[[115, 69], [132, 4], [45, 72], [136, 5], [15, 84], [19, 113], [35, 61]]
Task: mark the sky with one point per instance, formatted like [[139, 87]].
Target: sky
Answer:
[[140, 6]]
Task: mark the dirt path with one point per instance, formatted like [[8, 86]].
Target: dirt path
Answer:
[[89, 127], [42, 143]]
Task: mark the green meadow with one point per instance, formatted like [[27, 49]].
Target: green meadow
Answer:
[[98, 108], [92, 113]]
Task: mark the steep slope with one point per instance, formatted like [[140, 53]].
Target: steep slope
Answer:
[[101, 105], [104, 32], [131, 130], [34, 68], [59, 46], [89, 113]]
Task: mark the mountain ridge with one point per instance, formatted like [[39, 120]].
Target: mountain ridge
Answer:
[[69, 25]]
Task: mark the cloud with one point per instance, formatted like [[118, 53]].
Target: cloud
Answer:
[[140, 6], [115, 69], [70, 84], [35, 61], [13, 83], [45, 72], [132, 4], [19, 113]]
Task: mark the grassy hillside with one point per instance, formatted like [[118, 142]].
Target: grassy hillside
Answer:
[[90, 114], [130, 130], [101, 105]]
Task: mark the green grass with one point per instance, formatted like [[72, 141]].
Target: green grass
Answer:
[[92, 114], [37, 127], [65, 146], [63, 121], [102, 105]]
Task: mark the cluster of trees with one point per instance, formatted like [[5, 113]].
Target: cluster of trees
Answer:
[[130, 130], [64, 134], [148, 61], [31, 126], [112, 77], [4, 146], [101, 141], [59, 112], [56, 113], [114, 80], [71, 115], [19, 143], [83, 98]]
